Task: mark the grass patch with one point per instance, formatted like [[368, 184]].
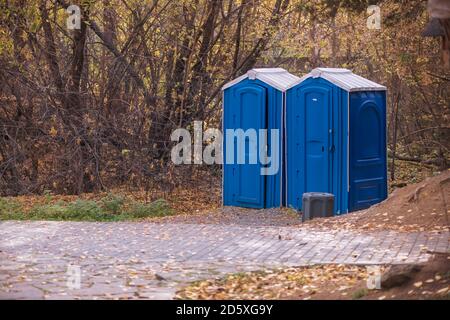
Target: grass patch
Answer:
[[358, 294], [10, 209], [113, 203], [157, 208], [109, 208]]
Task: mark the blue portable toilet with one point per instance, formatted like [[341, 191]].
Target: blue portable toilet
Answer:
[[336, 139], [255, 100]]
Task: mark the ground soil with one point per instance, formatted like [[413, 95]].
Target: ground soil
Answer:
[[416, 207], [431, 282], [422, 206], [239, 216], [325, 282]]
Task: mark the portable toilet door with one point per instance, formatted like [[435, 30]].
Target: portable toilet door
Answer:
[[336, 139], [252, 103]]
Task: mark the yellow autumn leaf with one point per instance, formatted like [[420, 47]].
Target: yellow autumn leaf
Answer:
[[53, 132]]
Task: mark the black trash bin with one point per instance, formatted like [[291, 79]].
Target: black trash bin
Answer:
[[317, 205]]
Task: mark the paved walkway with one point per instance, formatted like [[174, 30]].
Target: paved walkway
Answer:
[[149, 260]]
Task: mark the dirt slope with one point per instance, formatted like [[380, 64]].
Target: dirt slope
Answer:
[[420, 206]]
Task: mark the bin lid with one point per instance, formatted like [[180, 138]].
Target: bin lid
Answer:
[[278, 78], [317, 194]]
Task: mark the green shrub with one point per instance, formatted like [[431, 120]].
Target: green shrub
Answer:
[[110, 208], [88, 210], [79, 210], [157, 208], [10, 209], [48, 196], [113, 203], [56, 211]]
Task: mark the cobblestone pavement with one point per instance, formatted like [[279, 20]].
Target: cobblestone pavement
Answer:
[[38, 260]]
